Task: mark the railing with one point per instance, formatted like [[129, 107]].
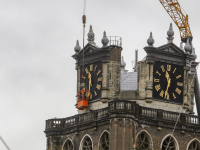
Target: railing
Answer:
[[123, 107], [115, 40]]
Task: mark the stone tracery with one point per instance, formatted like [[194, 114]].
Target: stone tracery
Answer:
[[68, 145], [169, 144], [143, 141], [104, 142], [195, 145], [87, 144]]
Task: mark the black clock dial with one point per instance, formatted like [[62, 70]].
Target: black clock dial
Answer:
[[92, 80], [168, 82]]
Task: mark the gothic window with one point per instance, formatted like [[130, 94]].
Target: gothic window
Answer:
[[68, 145], [87, 144], [169, 144], [195, 145], [104, 141], [143, 141]]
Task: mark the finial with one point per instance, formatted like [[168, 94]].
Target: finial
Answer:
[[91, 36], [77, 48], [150, 40], [123, 64], [104, 40], [181, 45], [187, 47], [170, 34]]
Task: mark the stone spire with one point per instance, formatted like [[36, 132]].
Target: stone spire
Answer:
[[187, 47], [104, 40], [150, 40], [181, 45], [91, 36], [170, 34], [123, 64], [77, 48]]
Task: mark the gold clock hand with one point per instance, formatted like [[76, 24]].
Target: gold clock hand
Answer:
[[90, 80], [168, 85]]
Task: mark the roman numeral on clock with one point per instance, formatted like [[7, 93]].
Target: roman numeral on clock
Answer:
[[174, 96], [168, 67], [98, 72], [157, 87], [178, 76], [158, 73], [86, 70], [98, 86], [156, 80], [179, 84], [95, 93], [178, 91], [91, 67], [100, 79], [161, 93], [163, 68]]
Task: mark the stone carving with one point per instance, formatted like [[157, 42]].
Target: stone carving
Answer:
[[68, 145], [143, 141], [104, 142], [87, 143], [169, 144], [195, 145]]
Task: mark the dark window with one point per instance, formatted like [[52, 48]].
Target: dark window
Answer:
[[194, 145], [87, 143], [68, 145], [143, 141], [104, 142], [169, 144]]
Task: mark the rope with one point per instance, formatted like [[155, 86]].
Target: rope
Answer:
[[4, 143]]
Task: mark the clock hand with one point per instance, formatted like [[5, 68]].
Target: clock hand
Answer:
[[90, 80], [168, 85]]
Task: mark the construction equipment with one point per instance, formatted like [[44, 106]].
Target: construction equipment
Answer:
[[173, 8], [83, 94]]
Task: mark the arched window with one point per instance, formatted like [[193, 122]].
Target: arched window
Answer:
[[104, 141], [87, 143], [169, 143], [194, 145], [143, 141], [68, 145]]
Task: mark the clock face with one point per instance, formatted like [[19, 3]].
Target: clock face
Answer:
[[92, 80], [168, 82]]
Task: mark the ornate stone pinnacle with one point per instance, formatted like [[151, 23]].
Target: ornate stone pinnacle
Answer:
[[170, 34], [150, 40], [91, 36], [104, 40], [187, 47], [181, 45], [77, 48], [123, 64]]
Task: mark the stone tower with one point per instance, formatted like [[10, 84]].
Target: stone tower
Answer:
[[150, 108]]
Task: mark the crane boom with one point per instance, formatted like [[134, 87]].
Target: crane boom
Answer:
[[173, 8]]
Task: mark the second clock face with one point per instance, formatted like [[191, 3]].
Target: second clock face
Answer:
[[168, 82], [92, 80]]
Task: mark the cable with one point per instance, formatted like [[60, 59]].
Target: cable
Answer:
[[4, 143]]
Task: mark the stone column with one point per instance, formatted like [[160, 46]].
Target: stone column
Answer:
[[54, 143], [121, 134]]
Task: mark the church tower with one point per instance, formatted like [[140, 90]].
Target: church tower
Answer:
[[150, 108]]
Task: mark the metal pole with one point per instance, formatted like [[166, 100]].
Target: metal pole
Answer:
[[4, 143]]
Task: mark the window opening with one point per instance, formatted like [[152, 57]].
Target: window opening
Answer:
[[104, 142], [68, 145], [143, 141]]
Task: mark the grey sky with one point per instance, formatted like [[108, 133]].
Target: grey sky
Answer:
[[37, 38]]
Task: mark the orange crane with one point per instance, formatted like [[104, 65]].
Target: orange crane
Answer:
[[173, 8]]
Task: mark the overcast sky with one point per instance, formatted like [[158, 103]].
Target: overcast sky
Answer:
[[37, 38]]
